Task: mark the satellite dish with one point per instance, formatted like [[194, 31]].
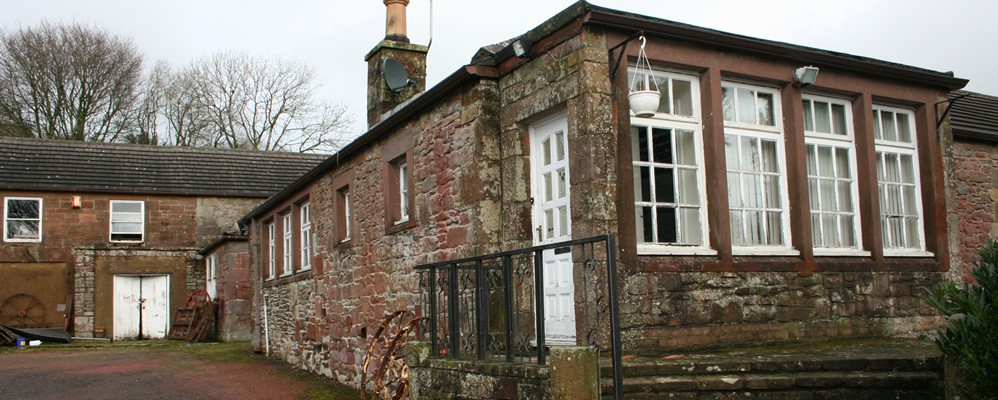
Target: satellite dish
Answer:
[[395, 75]]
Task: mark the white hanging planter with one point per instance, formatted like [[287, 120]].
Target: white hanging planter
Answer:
[[644, 103], [644, 99]]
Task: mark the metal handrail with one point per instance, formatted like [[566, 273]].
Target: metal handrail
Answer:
[[478, 265]]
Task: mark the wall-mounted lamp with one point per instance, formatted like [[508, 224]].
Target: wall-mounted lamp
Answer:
[[521, 47], [804, 76], [77, 202]]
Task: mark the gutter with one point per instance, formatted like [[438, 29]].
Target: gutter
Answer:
[[628, 22], [137, 192], [225, 238], [397, 117]]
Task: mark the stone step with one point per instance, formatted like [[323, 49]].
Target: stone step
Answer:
[[765, 364], [879, 369], [905, 380], [811, 394]]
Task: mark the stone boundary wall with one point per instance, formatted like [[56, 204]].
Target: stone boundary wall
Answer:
[[571, 373]]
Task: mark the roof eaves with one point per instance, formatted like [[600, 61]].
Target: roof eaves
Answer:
[[122, 191], [398, 116], [629, 22]]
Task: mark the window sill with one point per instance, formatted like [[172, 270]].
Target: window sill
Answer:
[[286, 279], [304, 269], [764, 251], [907, 253], [343, 244], [841, 253], [398, 226], [663, 250], [285, 275], [22, 240]]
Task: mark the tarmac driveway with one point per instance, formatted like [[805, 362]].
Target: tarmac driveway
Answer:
[[164, 371]]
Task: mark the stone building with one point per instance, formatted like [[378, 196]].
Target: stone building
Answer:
[[972, 172], [754, 205], [91, 231]]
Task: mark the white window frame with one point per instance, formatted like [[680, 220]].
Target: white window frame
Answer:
[[403, 190], [210, 275], [673, 122], [113, 219], [345, 197], [6, 218], [899, 148], [760, 132], [306, 236], [838, 141], [271, 255], [287, 246]]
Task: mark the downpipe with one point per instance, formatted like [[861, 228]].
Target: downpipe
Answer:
[[266, 327]]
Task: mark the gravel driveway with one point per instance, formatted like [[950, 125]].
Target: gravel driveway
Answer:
[[157, 370]]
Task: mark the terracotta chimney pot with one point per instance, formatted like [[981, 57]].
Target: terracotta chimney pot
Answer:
[[395, 28]]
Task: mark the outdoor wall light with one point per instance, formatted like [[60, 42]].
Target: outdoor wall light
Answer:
[[804, 76], [521, 47]]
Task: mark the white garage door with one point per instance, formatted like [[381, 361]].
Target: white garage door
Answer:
[[141, 306]]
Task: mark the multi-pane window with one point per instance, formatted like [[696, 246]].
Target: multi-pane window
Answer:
[[22, 220], [271, 251], [667, 166], [753, 139], [306, 236], [678, 94], [403, 190], [898, 180], [831, 173], [127, 221], [553, 191], [287, 247]]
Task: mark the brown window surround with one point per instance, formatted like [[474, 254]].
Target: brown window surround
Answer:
[[397, 154], [341, 219], [796, 173]]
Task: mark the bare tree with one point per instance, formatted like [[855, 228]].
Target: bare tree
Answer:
[[68, 82], [150, 106], [235, 100]]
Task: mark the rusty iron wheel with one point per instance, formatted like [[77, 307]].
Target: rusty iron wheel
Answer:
[[23, 311]]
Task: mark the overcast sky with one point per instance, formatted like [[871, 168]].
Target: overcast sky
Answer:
[[333, 36]]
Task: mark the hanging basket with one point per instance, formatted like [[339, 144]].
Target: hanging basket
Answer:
[[644, 94], [644, 103]]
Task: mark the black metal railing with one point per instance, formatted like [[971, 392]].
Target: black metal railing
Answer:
[[492, 307]]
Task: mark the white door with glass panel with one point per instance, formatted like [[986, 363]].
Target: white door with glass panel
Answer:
[[553, 224]]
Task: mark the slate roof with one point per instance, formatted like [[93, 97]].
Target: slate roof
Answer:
[[51, 165], [974, 116]]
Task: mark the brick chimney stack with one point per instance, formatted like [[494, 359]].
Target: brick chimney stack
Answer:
[[380, 98]]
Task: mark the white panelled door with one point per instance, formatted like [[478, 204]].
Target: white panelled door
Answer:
[[141, 306], [553, 224]]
